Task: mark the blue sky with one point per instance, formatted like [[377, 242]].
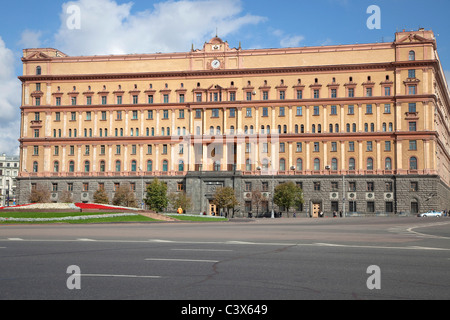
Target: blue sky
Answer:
[[140, 26]]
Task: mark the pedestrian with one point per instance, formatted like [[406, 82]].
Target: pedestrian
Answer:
[[334, 214], [340, 213]]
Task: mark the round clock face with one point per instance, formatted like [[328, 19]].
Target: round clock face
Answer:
[[215, 64]]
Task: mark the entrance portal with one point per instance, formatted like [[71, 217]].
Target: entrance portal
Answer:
[[315, 210], [212, 209]]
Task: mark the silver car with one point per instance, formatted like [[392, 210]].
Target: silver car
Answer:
[[433, 213]]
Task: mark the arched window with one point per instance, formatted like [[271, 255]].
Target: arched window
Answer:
[[87, 166], [165, 166], [71, 166], [336, 128], [133, 166], [296, 128], [118, 166], [56, 166], [38, 70], [369, 164], [282, 165], [316, 164], [319, 128], [388, 164], [265, 164], [217, 166], [102, 166], [412, 55], [181, 166], [299, 165], [248, 165], [35, 167], [313, 128], [351, 164], [334, 164], [149, 165], [331, 128], [413, 163]]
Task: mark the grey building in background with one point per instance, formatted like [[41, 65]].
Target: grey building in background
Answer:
[[9, 170]]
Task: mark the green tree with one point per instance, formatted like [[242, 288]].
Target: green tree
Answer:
[[125, 197], [288, 195], [225, 198], [156, 197], [101, 197], [180, 200]]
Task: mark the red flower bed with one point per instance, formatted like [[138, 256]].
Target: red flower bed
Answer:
[[91, 206], [22, 205]]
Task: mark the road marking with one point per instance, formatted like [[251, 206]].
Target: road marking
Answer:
[[379, 247], [203, 250], [15, 239], [182, 260], [118, 276], [87, 240]]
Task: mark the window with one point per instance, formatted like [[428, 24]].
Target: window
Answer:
[[351, 164], [412, 56], [370, 206], [333, 110], [388, 164], [149, 165], [71, 167], [413, 145], [299, 111], [299, 147], [316, 147], [282, 112], [316, 186], [87, 166], [370, 186], [316, 164], [387, 91], [414, 186], [369, 164], [368, 92], [369, 109], [387, 146], [412, 108], [412, 126], [351, 109], [387, 108], [351, 93], [299, 165], [282, 165], [316, 94], [248, 112], [133, 166], [413, 163], [316, 111], [411, 73], [334, 164], [412, 90]]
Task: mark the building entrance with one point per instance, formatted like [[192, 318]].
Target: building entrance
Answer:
[[315, 210]]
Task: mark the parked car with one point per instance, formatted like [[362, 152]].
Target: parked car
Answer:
[[433, 213]]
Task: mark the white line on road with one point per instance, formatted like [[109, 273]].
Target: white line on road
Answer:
[[380, 247], [203, 250], [15, 239], [87, 240], [182, 260], [119, 276]]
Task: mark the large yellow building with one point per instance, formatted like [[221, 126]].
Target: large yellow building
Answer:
[[367, 123]]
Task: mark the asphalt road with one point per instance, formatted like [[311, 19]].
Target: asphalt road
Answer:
[[281, 259]]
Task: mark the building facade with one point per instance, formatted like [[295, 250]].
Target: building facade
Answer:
[[9, 170], [361, 128]]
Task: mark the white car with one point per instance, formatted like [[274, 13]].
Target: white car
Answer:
[[433, 213]]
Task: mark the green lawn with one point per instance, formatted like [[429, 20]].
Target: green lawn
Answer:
[[49, 215], [197, 219]]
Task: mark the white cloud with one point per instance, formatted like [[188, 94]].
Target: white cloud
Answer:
[[287, 41], [291, 41], [30, 39], [111, 28], [9, 102]]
